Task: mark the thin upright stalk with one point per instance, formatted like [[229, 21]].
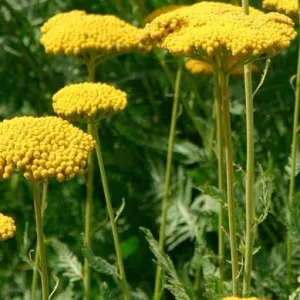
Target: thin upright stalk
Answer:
[[230, 181], [250, 200], [162, 231], [110, 213], [221, 178], [36, 257], [89, 201], [40, 241], [294, 154]]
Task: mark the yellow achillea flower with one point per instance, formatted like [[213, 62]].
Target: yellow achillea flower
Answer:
[[7, 227], [217, 31], [161, 11], [77, 33], [288, 7], [92, 101], [196, 66], [42, 148]]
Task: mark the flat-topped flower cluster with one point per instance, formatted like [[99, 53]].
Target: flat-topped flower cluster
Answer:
[[210, 28], [42, 148]]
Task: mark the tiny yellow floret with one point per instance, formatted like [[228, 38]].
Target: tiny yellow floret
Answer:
[[288, 7], [160, 11], [77, 33], [7, 227], [197, 66], [43, 148], [217, 31], [88, 101]]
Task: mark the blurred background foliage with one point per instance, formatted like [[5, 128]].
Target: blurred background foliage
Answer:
[[135, 145]]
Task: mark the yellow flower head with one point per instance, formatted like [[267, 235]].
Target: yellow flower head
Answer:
[[288, 7], [7, 227], [77, 33], [88, 101], [161, 11], [219, 30], [42, 148], [196, 66]]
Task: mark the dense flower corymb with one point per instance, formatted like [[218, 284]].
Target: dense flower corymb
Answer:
[[161, 11], [7, 227], [288, 7], [77, 33], [88, 101], [212, 29], [196, 66], [42, 148]]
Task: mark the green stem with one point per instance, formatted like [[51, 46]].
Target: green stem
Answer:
[[89, 200], [167, 179], [40, 241], [294, 156], [197, 277], [111, 214], [230, 181], [36, 257], [88, 220], [250, 201], [221, 178]]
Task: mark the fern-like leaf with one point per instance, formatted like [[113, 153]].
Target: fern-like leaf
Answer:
[[99, 264], [173, 283], [68, 263]]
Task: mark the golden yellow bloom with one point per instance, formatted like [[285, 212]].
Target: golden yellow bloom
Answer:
[[88, 101], [219, 30], [161, 11], [78, 33], [43, 148], [196, 66], [288, 7], [7, 227]]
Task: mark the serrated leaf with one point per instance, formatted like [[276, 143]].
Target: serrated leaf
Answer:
[[67, 262], [213, 192], [172, 281], [120, 210], [99, 264]]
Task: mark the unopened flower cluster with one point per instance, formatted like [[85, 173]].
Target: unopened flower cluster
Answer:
[[196, 66], [211, 28], [88, 101], [42, 148], [76, 33], [7, 227], [288, 7], [161, 11]]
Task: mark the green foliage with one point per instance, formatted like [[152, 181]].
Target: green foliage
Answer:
[[100, 264], [172, 282], [135, 146], [67, 262]]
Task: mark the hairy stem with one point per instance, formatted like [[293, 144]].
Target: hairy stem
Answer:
[[162, 230], [111, 213], [89, 200], [294, 155], [221, 178], [40, 241], [230, 181], [250, 200], [36, 256]]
